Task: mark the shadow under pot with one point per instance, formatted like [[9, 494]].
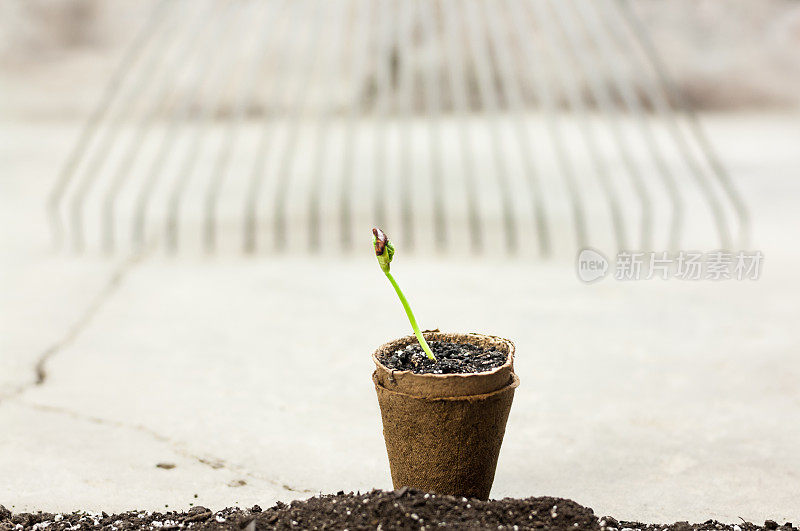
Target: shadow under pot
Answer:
[[443, 432]]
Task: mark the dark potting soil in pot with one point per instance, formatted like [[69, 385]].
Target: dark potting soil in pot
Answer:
[[400, 509], [451, 358]]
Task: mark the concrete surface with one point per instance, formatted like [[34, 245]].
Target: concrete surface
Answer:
[[650, 400]]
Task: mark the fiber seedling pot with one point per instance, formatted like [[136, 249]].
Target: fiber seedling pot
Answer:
[[443, 431]]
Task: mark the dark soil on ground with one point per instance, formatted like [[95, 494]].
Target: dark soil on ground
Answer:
[[400, 509], [451, 358]]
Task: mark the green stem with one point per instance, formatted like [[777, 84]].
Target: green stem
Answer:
[[410, 314]]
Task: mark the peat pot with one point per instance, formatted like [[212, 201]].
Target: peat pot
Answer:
[[443, 431]]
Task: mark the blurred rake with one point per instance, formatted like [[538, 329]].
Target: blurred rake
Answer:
[[469, 77]]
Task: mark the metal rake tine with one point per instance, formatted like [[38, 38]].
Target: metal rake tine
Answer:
[[164, 89], [199, 75], [432, 106], [383, 89], [190, 158], [552, 122], [460, 109], [673, 94], [164, 151], [358, 71], [663, 106], [320, 143], [512, 84], [402, 109], [90, 128], [224, 154], [250, 222], [287, 155], [568, 84], [602, 98], [594, 19], [97, 158], [487, 94]]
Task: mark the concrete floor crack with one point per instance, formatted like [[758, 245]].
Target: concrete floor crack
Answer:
[[177, 447], [102, 297]]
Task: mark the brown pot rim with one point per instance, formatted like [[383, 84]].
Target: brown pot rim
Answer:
[[509, 363], [513, 384]]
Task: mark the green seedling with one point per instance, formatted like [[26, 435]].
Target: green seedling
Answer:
[[384, 251]]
